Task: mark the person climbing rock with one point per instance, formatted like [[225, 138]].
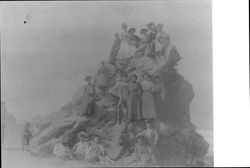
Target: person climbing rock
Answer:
[[26, 136], [89, 97]]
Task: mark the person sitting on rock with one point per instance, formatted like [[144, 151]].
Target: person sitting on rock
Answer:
[[80, 148], [126, 142], [150, 133], [134, 39], [141, 50], [96, 152], [61, 150], [162, 40], [152, 136], [143, 152], [26, 136]]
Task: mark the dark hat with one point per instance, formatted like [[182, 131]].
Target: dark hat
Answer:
[[143, 30], [132, 29]]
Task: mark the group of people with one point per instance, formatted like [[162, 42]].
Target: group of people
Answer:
[[88, 148], [153, 42], [91, 149], [133, 96]]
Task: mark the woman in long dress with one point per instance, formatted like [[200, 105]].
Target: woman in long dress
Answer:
[[159, 94], [134, 100], [124, 51], [148, 104]]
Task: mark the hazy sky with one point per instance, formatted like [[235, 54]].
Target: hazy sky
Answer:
[[44, 62]]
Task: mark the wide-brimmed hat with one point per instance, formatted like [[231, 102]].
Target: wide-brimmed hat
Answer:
[[81, 134]]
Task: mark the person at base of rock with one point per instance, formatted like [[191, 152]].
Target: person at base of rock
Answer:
[[80, 147], [148, 104], [61, 150], [96, 152], [152, 137], [36, 130], [88, 96], [134, 99], [26, 136], [143, 154]]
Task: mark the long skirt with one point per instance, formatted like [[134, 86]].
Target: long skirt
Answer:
[[124, 51], [134, 107], [148, 106]]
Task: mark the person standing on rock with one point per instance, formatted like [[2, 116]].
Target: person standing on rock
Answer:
[[148, 104], [88, 96], [26, 136], [124, 51], [134, 100], [159, 94]]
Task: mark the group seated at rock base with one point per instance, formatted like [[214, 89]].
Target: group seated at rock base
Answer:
[[135, 107]]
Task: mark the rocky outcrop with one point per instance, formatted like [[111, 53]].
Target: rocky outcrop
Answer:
[[179, 143]]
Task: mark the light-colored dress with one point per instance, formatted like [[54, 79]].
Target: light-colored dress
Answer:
[[148, 104], [162, 41], [94, 152], [144, 154], [60, 150], [81, 147], [125, 50]]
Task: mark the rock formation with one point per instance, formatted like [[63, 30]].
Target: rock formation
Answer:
[[179, 142]]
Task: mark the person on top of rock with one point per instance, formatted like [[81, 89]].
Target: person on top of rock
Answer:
[[152, 34], [143, 154], [96, 152], [124, 51], [134, 99], [133, 39], [26, 136], [141, 50], [148, 104], [80, 147], [162, 40], [61, 150]]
